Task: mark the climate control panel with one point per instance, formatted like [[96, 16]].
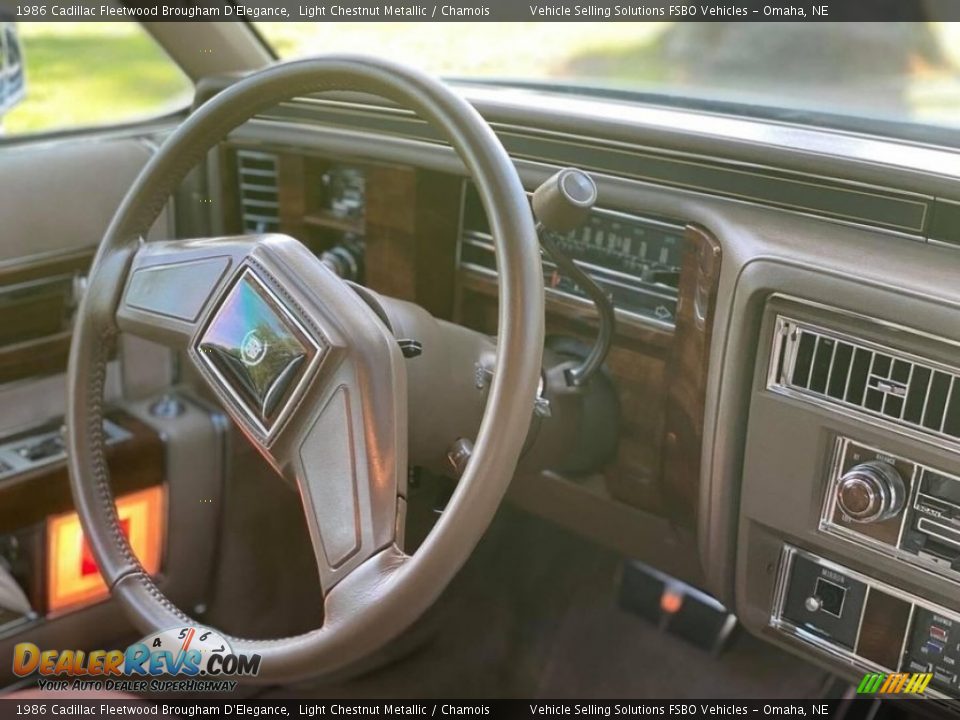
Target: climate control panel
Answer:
[[902, 508], [868, 623]]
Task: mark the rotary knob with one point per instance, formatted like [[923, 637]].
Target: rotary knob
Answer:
[[871, 492]]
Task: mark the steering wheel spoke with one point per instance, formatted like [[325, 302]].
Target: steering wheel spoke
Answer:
[[171, 284], [344, 443], [350, 514]]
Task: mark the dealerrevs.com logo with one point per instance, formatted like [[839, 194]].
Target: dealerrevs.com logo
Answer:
[[894, 683], [182, 659]]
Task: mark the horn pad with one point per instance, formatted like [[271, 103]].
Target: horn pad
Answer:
[[257, 349]]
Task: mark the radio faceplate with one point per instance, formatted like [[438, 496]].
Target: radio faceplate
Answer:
[[921, 527]]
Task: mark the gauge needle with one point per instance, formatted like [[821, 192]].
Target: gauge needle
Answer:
[[185, 646], [187, 639]]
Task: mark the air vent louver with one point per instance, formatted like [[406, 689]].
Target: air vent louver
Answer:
[[868, 378], [259, 202]]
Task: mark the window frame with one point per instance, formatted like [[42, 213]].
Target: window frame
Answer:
[[137, 126]]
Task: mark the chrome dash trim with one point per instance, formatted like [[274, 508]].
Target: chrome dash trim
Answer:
[[783, 355], [850, 534], [830, 500]]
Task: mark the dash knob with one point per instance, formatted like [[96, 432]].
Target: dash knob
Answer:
[[871, 492]]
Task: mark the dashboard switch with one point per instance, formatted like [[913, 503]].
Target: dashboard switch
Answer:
[[42, 449], [932, 647], [831, 597], [824, 602]]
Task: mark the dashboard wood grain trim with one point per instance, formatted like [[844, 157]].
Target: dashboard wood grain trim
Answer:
[[686, 372], [661, 378]]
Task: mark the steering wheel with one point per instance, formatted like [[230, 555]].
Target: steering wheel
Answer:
[[308, 371]]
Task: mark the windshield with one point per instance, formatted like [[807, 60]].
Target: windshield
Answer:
[[902, 73]]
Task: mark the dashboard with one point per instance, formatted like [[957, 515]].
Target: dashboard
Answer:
[[872, 554], [421, 235], [785, 353]]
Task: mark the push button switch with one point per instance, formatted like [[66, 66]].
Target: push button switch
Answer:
[[830, 596], [824, 602], [933, 645]]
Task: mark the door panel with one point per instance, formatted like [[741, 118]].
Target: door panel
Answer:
[[58, 199], [60, 196]]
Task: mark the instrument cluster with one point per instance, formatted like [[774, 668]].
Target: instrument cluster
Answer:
[[635, 259]]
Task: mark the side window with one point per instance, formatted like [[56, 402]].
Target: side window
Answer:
[[81, 75]]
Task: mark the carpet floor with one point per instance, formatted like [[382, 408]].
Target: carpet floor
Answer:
[[534, 614]]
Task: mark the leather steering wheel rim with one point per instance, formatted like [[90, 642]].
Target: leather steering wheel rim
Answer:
[[386, 593]]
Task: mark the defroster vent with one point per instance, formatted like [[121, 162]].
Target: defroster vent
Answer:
[[259, 201], [837, 369]]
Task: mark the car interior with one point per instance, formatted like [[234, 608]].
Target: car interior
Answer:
[[490, 387]]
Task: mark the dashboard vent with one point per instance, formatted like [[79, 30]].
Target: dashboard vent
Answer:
[[869, 378], [259, 201]]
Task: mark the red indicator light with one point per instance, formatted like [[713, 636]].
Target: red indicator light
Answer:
[[72, 575]]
